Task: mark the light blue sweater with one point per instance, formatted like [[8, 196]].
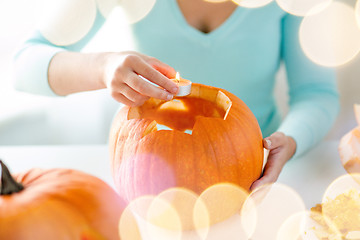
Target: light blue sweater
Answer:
[[242, 56]]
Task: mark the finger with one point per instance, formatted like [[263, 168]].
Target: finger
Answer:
[[162, 68], [274, 140], [122, 99], [271, 171], [156, 77], [145, 88], [133, 95]]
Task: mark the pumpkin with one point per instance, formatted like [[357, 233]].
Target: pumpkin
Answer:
[[349, 146], [57, 204], [210, 137]]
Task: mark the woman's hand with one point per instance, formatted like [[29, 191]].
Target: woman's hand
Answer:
[[122, 78], [281, 149]]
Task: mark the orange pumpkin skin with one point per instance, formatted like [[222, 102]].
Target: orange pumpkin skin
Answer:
[[60, 204], [225, 144]]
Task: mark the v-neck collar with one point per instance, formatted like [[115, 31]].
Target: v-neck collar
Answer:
[[180, 18]]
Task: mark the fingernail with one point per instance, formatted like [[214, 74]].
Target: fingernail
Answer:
[[169, 97], [268, 142], [175, 90]]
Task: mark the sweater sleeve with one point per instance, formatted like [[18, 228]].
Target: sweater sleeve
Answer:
[[32, 59], [313, 95]]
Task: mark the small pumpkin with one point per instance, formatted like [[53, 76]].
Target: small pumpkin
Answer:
[[349, 147], [57, 204], [213, 138]]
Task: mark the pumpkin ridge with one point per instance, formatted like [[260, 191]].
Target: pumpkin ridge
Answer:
[[213, 151], [162, 158]]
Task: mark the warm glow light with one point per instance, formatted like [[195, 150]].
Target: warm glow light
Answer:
[[252, 3], [272, 205], [183, 201], [223, 203], [303, 7], [136, 10], [341, 185], [223, 200], [133, 219], [216, 1], [306, 225], [357, 12], [163, 220], [341, 203], [177, 77], [332, 36], [66, 22], [106, 6]]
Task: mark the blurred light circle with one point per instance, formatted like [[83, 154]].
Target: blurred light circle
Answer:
[[341, 185], [341, 203], [216, 212], [271, 205], [306, 225], [331, 37], [106, 6], [357, 12], [136, 10], [163, 220], [183, 201], [252, 3], [216, 1], [133, 219], [68, 21], [222, 201], [303, 7]]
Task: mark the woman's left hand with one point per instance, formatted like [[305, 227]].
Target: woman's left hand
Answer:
[[281, 149]]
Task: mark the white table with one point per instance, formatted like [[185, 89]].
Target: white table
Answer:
[[308, 175]]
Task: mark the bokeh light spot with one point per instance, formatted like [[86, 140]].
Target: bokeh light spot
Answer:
[[307, 225], [330, 37], [272, 205], [341, 203], [216, 1], [223, 203], [136, 10], [303, 7], [163, 220], [106, 6], [223, 200], [133, 219], [68, 21], [252, 3], [357, 12]]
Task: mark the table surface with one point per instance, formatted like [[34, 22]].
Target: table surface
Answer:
[[309, 175]]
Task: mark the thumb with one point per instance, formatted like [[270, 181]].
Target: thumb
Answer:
[[274, 140]]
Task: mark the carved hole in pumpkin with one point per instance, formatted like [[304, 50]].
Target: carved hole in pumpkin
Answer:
[[181, 113]]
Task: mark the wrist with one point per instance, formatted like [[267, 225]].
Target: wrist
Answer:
[[100, 63], [292, 146]]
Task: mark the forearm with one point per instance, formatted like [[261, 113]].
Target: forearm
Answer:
[[72, 72]]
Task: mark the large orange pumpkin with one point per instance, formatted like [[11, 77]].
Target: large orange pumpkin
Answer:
[[57, 204], [225, 144]]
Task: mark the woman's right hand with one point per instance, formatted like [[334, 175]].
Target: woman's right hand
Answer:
[[121, 77]]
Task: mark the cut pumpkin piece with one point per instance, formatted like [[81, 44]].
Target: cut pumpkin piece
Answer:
[[357, 113], [349, 147]]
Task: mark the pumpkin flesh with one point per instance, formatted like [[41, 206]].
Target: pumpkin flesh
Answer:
[[349, 146]]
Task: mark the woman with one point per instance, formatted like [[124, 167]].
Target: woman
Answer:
[[218, 44]]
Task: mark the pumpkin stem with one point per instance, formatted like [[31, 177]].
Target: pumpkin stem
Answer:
[[8, 184]]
